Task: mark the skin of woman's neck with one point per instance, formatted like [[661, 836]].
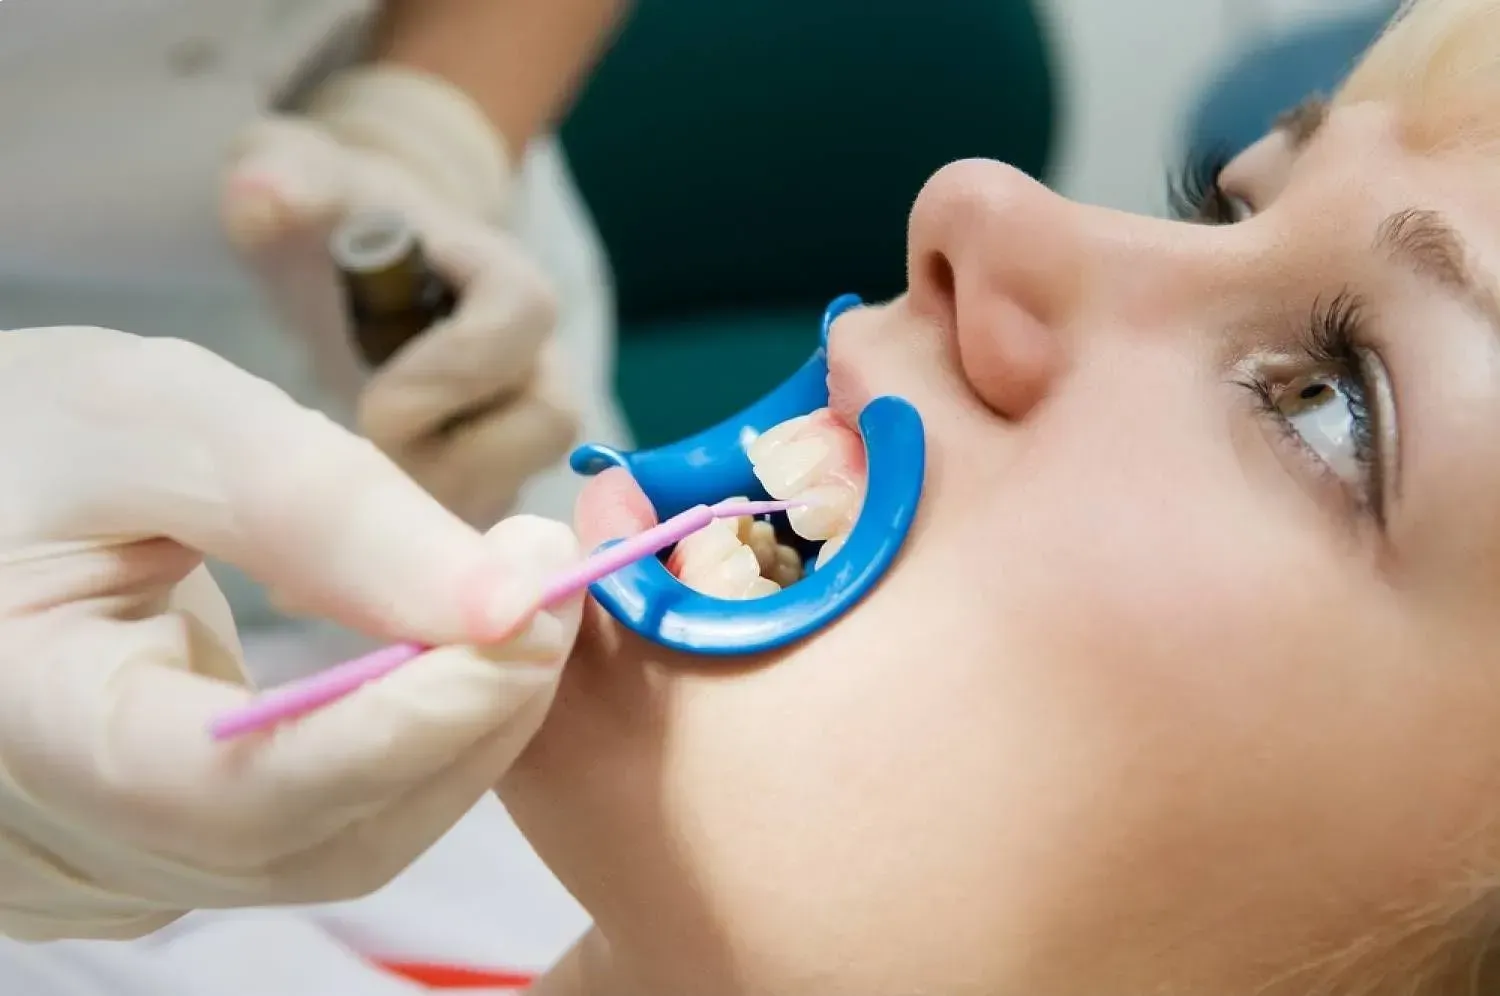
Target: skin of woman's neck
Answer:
[[584, 971], [589, 969]]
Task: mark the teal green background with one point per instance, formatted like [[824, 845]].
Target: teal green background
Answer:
[[748, 162]]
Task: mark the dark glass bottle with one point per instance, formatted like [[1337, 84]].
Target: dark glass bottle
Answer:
[[390, 289]]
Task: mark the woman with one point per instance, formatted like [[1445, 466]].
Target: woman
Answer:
[[1186, 682]]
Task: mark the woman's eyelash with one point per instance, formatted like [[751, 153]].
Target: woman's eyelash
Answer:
[[1332, 334], [1334, 340], [1194, 194], [1329, 340]]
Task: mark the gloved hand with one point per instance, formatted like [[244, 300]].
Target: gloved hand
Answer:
[[383, 138], [125, 458]]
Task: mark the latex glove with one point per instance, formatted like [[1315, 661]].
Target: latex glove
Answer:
[[124, 459], [380, 138]]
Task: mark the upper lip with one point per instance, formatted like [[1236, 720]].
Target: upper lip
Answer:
[[848, 393]]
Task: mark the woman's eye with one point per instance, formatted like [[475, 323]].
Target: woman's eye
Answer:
[[1326, 411], [1333, 404], [1196, 194], [1234, 210]]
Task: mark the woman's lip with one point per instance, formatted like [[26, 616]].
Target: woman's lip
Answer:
[[611, 506], [848, 392]]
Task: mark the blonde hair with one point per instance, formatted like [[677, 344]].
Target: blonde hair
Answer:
[[1438, 63]]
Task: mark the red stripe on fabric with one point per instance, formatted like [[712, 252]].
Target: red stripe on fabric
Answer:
[[438, 976]]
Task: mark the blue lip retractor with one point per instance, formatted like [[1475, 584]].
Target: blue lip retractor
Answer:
[[713, 465]]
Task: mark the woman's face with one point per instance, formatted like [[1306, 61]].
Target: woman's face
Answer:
[[1187, 680]]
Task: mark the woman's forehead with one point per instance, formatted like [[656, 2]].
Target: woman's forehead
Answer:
[[1368, 151], [1363, 158]]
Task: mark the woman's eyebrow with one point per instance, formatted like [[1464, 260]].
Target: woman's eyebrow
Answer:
[[1302, 122], [1427, 243]]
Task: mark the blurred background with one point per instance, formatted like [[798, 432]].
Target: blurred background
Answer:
[[1139, 76]]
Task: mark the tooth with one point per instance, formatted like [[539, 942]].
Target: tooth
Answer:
[[793, 467], [787, 570], [744, 528], [831, 547], [830, 509], [708, 547], [712, 585], [761, 538], [740, 525], [761, 587], [770, 440], [731, 577], [717, 542]]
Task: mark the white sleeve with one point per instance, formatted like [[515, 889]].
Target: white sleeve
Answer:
[[231, 954], [304, 42]]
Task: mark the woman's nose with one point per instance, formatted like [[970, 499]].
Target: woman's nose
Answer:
[[996, 260]]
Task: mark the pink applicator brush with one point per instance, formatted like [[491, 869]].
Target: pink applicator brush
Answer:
[[300, 697]]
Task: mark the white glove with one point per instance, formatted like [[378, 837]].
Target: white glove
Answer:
[[383, 138], [126, 457]]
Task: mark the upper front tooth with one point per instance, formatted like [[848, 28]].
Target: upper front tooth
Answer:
[[792, 467], [775, 436], [830, 509]]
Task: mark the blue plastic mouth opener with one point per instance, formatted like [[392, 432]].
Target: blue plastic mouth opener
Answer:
[[679, 479], [705, 468]]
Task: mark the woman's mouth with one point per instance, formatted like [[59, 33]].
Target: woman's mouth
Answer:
[[747, 587], [814, 458]]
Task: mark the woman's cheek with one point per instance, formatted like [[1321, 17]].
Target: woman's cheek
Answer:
[[1135, 578]]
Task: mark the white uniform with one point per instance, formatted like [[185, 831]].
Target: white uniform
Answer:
[[114, 118]]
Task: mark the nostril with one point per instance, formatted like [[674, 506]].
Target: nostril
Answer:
[[940, 272], [937, 274]]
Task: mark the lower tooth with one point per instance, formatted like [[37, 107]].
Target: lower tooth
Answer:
[[761, 539], [713, 544], [760, 588], [731, 577], [787, 570], [830, 548]]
